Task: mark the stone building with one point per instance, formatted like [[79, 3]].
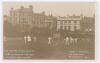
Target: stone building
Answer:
[[27, 19], [22, 15], [70, 23], [38, 20], [50, 21]]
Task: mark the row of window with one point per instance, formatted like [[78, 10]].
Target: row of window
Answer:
[[72, 28], [68, 22], [19, 13]]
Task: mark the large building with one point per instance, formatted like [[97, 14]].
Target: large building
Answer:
[[22, 18], [22, 15], [38, 20], [50, 22], [27, 18], [69, 23]]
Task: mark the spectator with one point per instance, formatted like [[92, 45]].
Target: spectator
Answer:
[[49, 40], [66, 41], [25, 39]]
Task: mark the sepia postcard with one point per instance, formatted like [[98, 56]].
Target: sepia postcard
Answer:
[[49, 30]]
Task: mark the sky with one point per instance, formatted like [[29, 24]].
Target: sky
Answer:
[[56, 8]]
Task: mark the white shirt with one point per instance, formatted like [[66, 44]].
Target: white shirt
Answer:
[[28, 38]]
